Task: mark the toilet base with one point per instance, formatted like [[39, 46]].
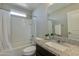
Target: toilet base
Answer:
[[34, 54], [30, 55]]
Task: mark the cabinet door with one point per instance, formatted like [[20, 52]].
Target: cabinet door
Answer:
[[40, 51], [73, 25]]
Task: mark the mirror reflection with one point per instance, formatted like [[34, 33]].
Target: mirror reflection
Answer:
[[64, 19]]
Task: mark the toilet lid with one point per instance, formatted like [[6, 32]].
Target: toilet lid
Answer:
[[29, 49]]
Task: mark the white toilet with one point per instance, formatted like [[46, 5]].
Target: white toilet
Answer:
[[29, 51]]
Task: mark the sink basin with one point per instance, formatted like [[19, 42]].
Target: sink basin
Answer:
[[56, 46], [39, 38]]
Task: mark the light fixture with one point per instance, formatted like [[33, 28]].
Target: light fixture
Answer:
[[18, 14]]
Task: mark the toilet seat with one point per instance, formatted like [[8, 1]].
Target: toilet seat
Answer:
[[29, 50]]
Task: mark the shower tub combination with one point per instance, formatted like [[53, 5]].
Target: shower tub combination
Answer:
[[18, 51], [15, 34]]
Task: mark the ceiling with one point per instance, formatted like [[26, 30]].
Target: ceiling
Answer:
[[56, 6], [30, 6], [25, 6]]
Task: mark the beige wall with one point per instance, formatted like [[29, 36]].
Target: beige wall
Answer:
[[41, 20]]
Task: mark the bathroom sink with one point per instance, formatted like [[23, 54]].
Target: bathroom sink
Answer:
[[40, 39], [56, 46]]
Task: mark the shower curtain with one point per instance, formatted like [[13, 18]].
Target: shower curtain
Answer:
[[20, 31], [4, 30], [15, 31]]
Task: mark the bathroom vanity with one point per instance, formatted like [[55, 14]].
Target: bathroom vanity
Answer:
[[52, 48], [40, 51]]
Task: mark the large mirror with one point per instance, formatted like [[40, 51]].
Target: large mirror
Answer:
[[65, 20]]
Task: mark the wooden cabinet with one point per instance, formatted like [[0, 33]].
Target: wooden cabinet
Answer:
[[40, 51]]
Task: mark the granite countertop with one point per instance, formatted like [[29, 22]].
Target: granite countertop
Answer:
[[72, 50]]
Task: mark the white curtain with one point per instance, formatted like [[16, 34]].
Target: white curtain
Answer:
[[14, 31], [4, 30], [20, 31]]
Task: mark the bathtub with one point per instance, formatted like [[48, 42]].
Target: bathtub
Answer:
[[15, 51]]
